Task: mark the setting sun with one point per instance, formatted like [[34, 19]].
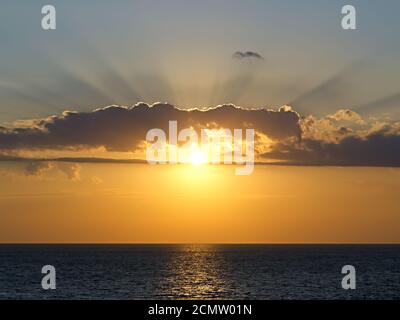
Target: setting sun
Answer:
[[198, 157]]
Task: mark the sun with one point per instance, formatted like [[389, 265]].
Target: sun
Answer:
[[197, 157]]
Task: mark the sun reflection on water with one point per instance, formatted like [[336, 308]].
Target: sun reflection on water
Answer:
[[195, 272]]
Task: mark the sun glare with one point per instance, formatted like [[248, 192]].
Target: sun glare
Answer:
[[198, 157]]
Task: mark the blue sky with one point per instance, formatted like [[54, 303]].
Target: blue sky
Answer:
[[123, 52]]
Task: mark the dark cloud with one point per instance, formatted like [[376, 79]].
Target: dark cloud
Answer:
[[118, 128], [247, 55], [377, 149], [343, 139]]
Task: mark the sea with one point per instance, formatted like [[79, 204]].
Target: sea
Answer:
[[192, 271]]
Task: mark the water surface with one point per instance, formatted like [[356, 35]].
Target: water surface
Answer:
[[200, 271]]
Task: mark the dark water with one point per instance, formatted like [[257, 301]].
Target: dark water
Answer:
[[200, 272]]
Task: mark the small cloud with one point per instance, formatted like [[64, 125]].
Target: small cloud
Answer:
[[38, 168], [97, 180], [73, 171], [247, 55]]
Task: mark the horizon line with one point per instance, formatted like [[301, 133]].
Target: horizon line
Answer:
[[199, 243]]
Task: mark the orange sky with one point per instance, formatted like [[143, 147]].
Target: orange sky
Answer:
[[139, 203]]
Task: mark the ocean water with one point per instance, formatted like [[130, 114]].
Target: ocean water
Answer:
[[200, 271]]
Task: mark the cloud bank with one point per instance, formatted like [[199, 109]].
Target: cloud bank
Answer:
[[118, 128], [345, 139], [341, 138]]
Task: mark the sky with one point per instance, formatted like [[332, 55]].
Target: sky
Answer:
[[180, 52], [144, 204], [76, 103]]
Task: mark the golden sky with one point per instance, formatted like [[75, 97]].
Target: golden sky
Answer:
[[139, 203]]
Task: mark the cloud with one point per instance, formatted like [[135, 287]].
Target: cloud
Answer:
[[346, 115], [72, 171], [96, 180], [247, 55], [118, 128], [38, 168], [343, 139], [377, 149], [340, 138]]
